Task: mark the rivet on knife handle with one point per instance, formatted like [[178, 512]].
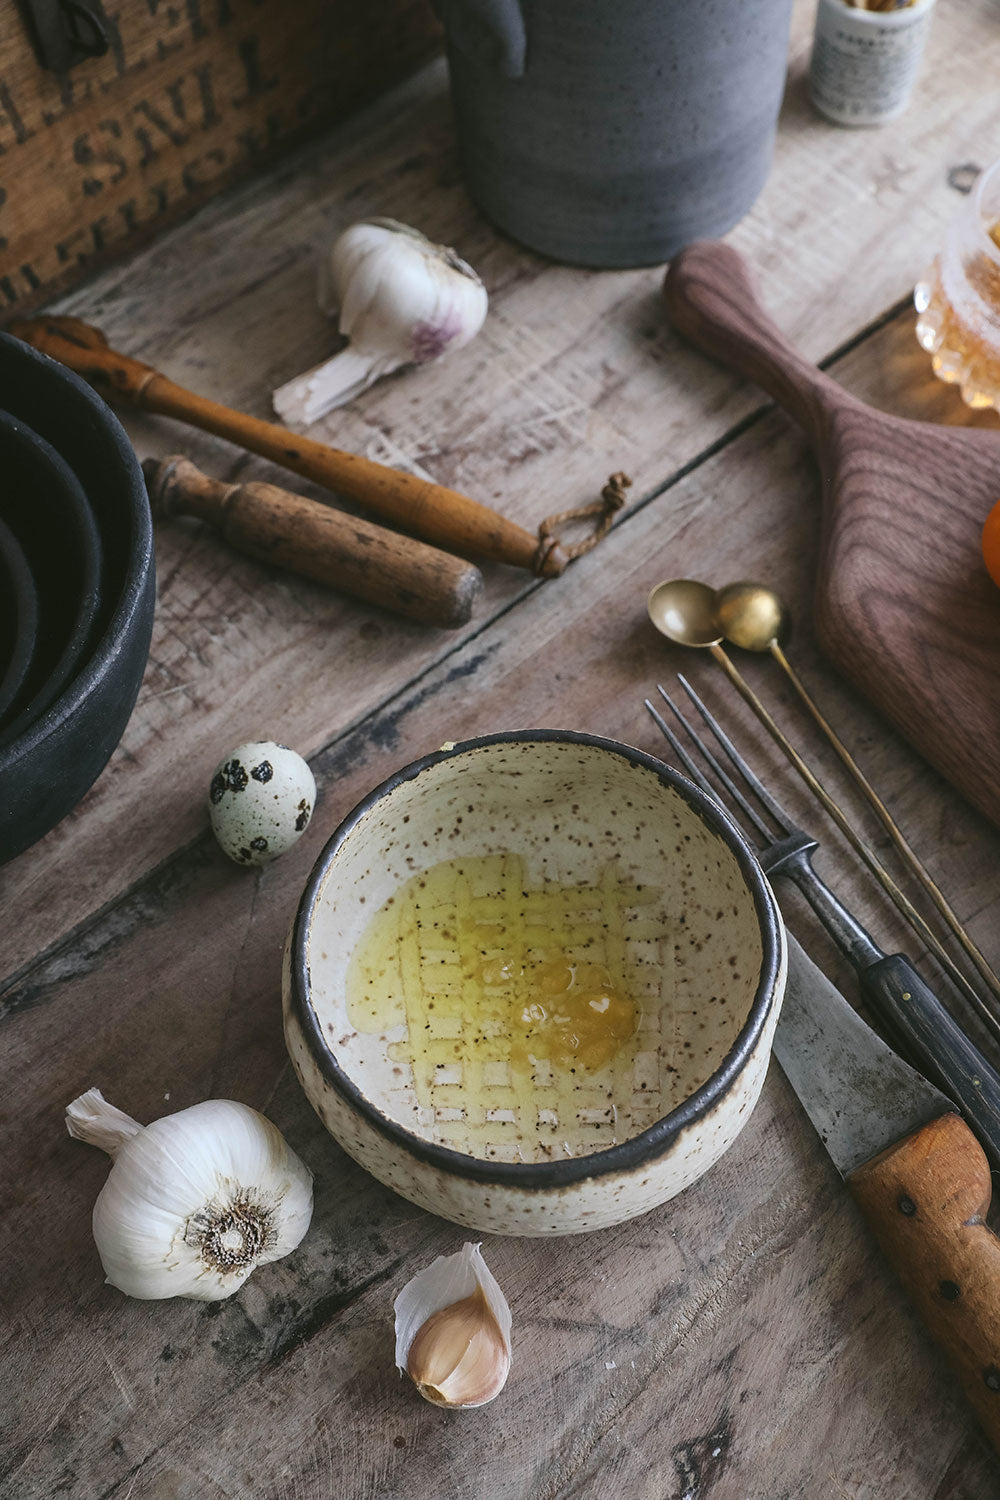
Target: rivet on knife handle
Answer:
[[926, 1200]]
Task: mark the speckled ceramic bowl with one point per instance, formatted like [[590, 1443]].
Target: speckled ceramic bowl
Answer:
[[664, 891]]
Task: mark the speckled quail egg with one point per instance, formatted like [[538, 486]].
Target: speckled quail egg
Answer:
[[260, 801]]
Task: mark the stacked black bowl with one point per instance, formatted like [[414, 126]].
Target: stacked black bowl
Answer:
[[76, 590]]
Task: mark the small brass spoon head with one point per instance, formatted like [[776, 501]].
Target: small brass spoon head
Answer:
[[684, 611], [750, 615]]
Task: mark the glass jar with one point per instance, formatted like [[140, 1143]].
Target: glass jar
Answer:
[[958, 300]]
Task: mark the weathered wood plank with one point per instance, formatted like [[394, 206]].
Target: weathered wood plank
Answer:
[[744, 1340], [760, 1321], [573, 376], [186, 100]]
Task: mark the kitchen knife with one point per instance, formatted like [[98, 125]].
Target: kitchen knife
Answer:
[[914, 1168]]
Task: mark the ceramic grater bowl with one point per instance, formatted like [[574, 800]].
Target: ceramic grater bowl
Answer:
[[659, 886]]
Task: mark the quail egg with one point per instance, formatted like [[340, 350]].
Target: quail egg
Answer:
[[260, 801]]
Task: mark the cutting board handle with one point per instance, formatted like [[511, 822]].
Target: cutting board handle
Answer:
[[711, 300], [926, 1200]]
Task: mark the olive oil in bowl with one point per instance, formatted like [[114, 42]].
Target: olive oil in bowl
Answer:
[[513, 1008]]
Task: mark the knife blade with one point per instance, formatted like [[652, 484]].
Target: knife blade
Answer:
[[913, 1166]]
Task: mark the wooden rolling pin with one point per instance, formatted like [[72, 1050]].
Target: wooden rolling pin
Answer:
[[439, 515], [368, 562]]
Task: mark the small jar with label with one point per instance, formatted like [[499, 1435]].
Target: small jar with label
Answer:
[[865, 62]]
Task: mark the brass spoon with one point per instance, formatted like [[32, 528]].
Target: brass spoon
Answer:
[[755, 617], [685, 612]]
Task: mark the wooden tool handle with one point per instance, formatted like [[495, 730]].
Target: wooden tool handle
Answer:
[[711, 300], [365, 561], [926, 1200], [439, 515]]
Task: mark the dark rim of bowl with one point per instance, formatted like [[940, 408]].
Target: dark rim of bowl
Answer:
[[85, 539], [16, 576], [628, 1154], [137, 575]]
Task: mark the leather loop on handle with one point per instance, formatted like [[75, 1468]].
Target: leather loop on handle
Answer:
[[712, 301], [926, 1200]]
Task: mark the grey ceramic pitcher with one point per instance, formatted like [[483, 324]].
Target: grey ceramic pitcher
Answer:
[[612, 132]]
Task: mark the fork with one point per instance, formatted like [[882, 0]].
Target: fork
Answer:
[[902, 999]]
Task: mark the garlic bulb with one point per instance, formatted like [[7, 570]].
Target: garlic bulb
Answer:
[[453, 1331], [195, 1200], [402, 301]]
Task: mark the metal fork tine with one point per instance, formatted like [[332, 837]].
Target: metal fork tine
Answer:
[[720, 771], [792, 840], [777, 812], [693, 770]]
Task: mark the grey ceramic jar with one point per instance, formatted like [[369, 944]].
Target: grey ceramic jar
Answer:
[[613, 132]]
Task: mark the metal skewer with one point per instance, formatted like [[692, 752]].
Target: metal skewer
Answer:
[[889, 885], [752, 616]]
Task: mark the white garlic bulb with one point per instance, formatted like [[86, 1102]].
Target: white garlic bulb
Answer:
[[402, 300], [196, 1200], [453, 1331]]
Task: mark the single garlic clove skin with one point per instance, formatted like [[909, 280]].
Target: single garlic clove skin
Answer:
[[460, 1357], [195, 1201], [453, 1331], [401, 300]]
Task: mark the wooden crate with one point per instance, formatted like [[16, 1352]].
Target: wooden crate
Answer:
[[191, 96]]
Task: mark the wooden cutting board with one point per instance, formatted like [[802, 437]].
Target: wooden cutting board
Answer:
[[904, 605]]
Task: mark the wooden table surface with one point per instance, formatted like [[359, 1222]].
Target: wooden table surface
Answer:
[[743, 1342]]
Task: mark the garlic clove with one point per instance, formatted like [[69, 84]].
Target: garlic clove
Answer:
[[460, 1357], [453, 1331], [196, 1200], [400, 299]]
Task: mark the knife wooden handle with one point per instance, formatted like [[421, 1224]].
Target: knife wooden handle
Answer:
[[926, 1200]]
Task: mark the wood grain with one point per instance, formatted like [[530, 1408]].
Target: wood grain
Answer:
[[428, 510], [753, 1307], [188, 99], [926, 1199], [318, 541], [572, 377], [904, 605], [745, 1341]]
